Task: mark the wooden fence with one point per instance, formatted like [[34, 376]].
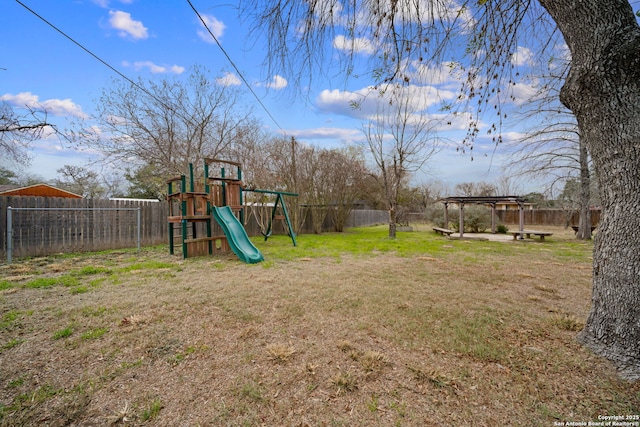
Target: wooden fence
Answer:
[[49, 225]]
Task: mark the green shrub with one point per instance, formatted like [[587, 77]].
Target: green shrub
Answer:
[[476, 219], [435, 214]]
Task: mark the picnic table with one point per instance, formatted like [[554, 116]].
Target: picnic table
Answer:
[[529, 233], [575, 228]]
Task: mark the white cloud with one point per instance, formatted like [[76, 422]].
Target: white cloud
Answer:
[[446, 11], [111, 119], [367, 102], [357, 45], [329, 137], [63, 107], [561, 58], [422, 97], [105, 3], [54, 107], [21, 100], [128, 27], [214, 25], [277, 82], [154, 68], [522, 56], [356, 104], [420, 11], [342, 135], [229, 79], [176, 69], [521, 93], [445, 74]]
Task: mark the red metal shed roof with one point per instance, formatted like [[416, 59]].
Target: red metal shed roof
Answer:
[[42, 190]]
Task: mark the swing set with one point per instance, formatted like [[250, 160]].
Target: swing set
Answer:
[[274, 216]]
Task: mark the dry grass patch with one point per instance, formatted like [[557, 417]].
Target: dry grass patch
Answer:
[[279, 352], [431, 376], [135, 319], [566, 322], [344, 382], [546, 289], [373, 361], [342, 339], [345, 346]]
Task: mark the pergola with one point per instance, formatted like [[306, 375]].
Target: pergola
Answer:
[[482, 200]]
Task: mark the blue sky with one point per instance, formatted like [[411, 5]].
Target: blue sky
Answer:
[[163, 38]]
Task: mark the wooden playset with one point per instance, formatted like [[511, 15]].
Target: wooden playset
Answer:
[[209, 215]]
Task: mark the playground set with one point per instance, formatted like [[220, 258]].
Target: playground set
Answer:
[[194, 205]]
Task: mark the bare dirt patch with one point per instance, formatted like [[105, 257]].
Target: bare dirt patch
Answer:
[[440, 338]]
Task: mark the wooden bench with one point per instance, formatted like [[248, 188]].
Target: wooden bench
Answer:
[[443, 231], [528, 233]]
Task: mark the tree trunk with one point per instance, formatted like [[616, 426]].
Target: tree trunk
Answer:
[[584, 222], [603, 91], [392, 222]]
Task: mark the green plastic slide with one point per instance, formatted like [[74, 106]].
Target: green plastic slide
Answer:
[[237, 236]]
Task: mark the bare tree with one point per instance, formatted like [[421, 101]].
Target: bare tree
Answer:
[[328, 181], [272, 164], [548, 151], [80, 180], [602, 89], [168, 124], [586, 180], [400, 140], [508, 186], [551, 149], [251, 150], [311, 182], [477, 189], [333, 182], [18, 129], [434, 190], [345, 172]]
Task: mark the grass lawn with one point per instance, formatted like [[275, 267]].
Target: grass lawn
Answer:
[[349, 329]]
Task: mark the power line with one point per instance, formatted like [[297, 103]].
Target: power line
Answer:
[[133, 83], [93, 54], [235, 67]]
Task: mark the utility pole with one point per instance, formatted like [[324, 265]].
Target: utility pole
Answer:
[[293, 164], [296, 209]]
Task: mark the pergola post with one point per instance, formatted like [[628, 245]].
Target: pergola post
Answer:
[[493, 218], [521, 211], [461, 219], [446, 215]]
